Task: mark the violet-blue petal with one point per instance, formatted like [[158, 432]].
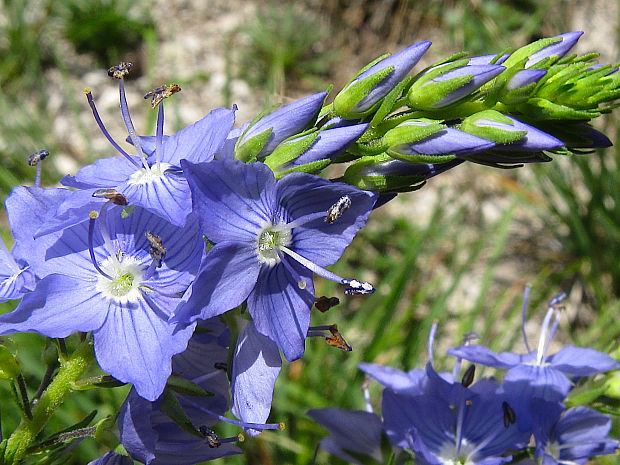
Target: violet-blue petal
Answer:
[[559, 49], [72, 210], [350, 430], [105, 172], [197, 142], [285, 122], [525, 77], [535, 139], [29, 208], [578, 361], [227, 151], [136, 346], [167, 196], [321, 242], [583, 434], [330, 143], [15, 280], [487, 59], [444, 142], [233, 200], [396, 380], [256, 366], [280, 308], [485, 356], [112, 458], [136, 433], [58, 306], [227, 276]]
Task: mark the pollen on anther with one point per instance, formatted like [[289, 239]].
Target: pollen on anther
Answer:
[[93, 215], [241, 437], [301, 284], [281, 426]]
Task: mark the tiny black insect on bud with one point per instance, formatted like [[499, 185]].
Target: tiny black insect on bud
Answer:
[[220, 366], [509, 415], [157, 250], [337, 210], [120, 71], [336, 340], [158, 94], [35, 158], [111, 194], [468, 376], [323, 303]]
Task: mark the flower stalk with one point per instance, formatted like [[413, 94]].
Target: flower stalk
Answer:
[[25, 434]]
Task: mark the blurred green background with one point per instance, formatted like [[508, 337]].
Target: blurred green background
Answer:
[[460, 250]]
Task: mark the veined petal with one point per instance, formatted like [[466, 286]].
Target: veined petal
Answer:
[[136, 433], [323, 243], [577, 361], [485, 356], [233, 200], [200, 141], [166, 196], [105, 172], [58, 306], [227, 276], [396, 380], [256, 366], [136, 346], [280, 308]]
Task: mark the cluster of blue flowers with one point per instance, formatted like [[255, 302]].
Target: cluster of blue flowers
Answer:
[[444, 418], [145, 252]]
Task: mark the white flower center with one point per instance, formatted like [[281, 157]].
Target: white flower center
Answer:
[[145, 176], [447, 453], [269, 239], [126, 274]]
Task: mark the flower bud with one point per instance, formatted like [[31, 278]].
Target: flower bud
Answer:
[[442, 146], [508, 133], [447, 84], [384, 174], [268, 131], [318, 146], [537, 51], [375, 82]]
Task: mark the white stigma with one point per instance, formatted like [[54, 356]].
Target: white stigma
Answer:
[[448, 453], [269, 239], [126, 274], [145, 176]]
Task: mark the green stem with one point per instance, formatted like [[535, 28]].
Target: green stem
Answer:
[[25, 434]]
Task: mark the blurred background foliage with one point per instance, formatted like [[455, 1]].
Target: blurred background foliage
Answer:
[[461, 250]]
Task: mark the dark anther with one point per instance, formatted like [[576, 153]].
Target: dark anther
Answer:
[[509, 415], [336, 340], [158, 94], [120, 71], [338, 209], [111, 194], [221, 366], [35, 158], [157, 250], [468, 376], [323, 303], [212, 439]]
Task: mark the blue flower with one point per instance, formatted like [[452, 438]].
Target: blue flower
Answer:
[[269, 239], [536, 374], [15, 279], [566, 437], [351, 431], [112, 458], [153, 179], [152, 438], [120, 278]]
